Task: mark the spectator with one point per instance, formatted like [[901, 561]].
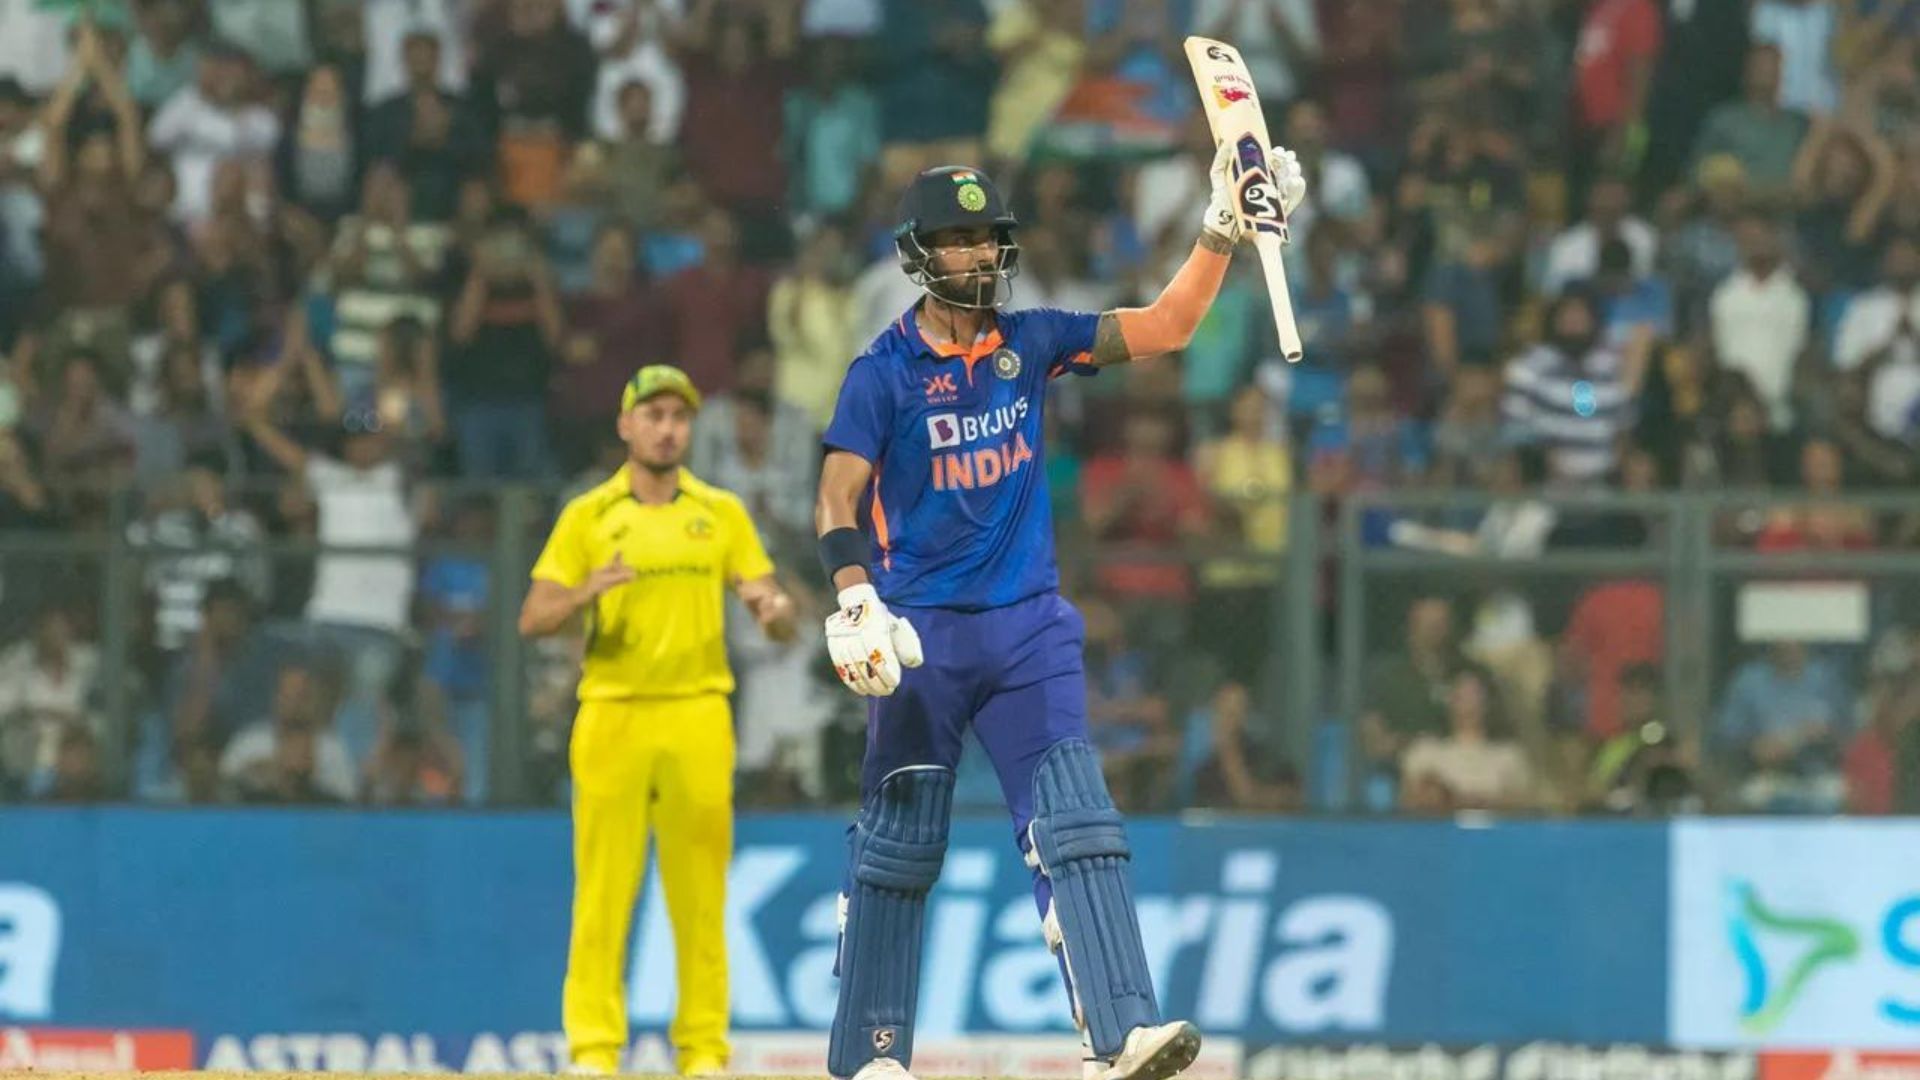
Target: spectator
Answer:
[[429, 133], [1636, 309], [1762, 319], [761, 448], [536, 82], [1879, 338], [1041, 48], [1823, 523], [1470, 437], [1371, 447], [1574, 394], [404, 399], [1474, 766], [1843, 181], [23, 498], [1614, 625], [1878, 763], [386, 26], [47, 688], [1279, 40], [1461, 312], [210, 122], [1230, 770], [613, 328], [1127, 720], [178, 329], [831, 130], [1698, 249], [210, 682], [411, 768], [382, 267], [319, 161], [291, 755], [934, 80], [738, 69], [1249, 475], [76, 775], [361, 600], [505, 329], [86, 438], [1802, 30], [163, 56], [1642, 770], [1757, 130], [22, 147], [1406, 690], [455, 586], [643, 169], [1146, 501], [1702, 58], [1364, 45], [1873, 459], [718, 308], [1334, 314], [1517, 526], [1781, 727], [810, 321], [1746, 453], [1614, 62], [101, 251], [191, 540], [185, 424], [1575, 253], [631, 37], [784, 708], [1341, 188]]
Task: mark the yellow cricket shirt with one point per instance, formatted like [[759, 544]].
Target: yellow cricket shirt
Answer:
[[661, 634]]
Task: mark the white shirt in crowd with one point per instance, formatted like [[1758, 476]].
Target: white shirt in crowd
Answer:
[[782, 710], [199, 135], [646, 62], [1804, 33], [1484, 773], [387, 23], [361, 508], [1869, 325], [33, 44], [258, 744], [1760, 327], [1575, 253]]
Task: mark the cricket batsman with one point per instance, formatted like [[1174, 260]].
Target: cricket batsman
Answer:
[[934, 527], [648, 556]]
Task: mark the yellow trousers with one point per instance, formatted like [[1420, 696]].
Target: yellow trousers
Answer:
[[665, 764]]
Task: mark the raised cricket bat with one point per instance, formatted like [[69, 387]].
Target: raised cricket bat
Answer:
[[1233, 111]]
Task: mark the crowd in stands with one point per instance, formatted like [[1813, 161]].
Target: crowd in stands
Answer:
[[279, 276]]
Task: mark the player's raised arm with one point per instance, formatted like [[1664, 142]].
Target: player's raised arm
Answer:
[[1167, 324]]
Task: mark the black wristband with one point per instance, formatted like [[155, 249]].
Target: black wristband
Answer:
[[841, 548]]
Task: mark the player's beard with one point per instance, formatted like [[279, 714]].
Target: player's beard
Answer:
[[976, 290]]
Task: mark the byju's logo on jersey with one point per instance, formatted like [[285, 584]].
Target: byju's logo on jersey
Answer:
[[943, 430]]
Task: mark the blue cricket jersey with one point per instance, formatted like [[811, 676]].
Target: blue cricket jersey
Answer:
[[957, 512]]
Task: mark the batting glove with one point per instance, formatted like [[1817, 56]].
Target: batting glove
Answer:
[[869, 644], [1289, 179], [1221, 220]]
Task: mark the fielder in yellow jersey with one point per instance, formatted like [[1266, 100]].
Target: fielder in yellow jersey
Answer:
[[648, 556]]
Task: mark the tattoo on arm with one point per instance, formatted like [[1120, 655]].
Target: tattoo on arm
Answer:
[[1109, 345]]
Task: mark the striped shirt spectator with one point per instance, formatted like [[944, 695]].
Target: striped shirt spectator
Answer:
[[1574, 396]]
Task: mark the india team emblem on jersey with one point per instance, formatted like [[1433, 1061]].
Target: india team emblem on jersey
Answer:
[[1006, 363]]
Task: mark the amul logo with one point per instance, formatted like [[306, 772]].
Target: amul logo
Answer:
[[1768, 999]]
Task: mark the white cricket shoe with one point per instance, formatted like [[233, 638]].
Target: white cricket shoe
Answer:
[[1153, 1053], [883, 1069]]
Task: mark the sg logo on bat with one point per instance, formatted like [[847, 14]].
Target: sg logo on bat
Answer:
[[1259, 205]]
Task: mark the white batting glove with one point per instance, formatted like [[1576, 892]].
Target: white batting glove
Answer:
[[869, 644], [1220, 220], [1289, 179]]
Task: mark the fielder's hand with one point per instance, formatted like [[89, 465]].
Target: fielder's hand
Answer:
[[869, 644]]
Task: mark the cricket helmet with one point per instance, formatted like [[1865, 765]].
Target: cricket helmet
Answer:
[[956, 197]]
